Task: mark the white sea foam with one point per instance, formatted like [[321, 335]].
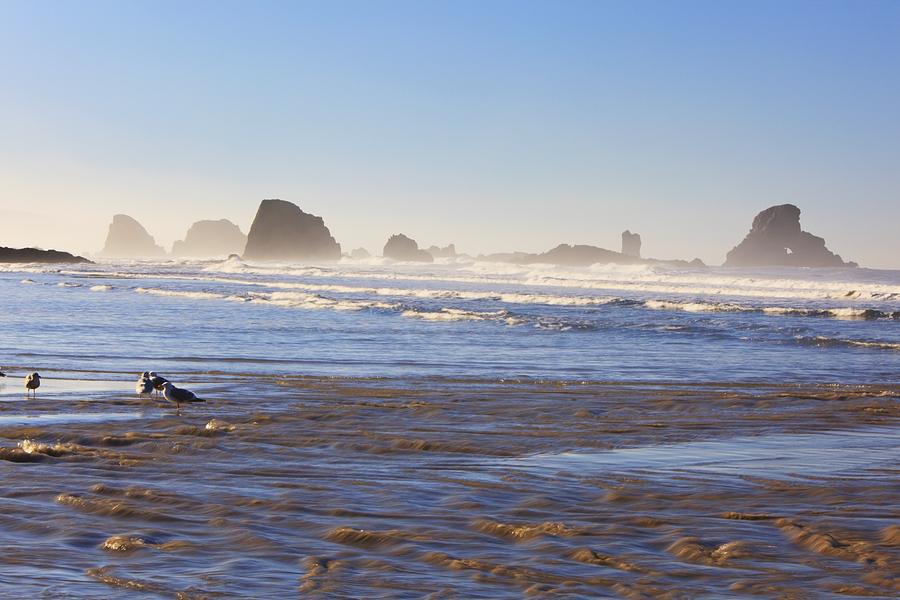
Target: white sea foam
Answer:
[[101, 288], [845, 284], [455, 314], [181, 294]]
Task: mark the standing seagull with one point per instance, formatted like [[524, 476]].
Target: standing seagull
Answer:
[[32, 383], [156, 380], [179, 395], [144, 385]]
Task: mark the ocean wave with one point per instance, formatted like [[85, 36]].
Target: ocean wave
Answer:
[[830, 342], [305, 300], [101, 288], [837, 313], [180, 294], [456, 314], [771, 283]]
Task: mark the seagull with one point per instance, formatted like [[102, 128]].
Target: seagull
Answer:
[[32, 383], [156, 380], [144, 385], [179, 395]]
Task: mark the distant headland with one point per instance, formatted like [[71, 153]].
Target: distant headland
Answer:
[[36, 255]]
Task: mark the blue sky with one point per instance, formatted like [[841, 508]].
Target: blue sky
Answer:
[[494, 125]]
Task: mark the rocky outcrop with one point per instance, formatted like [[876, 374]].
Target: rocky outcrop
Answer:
[[36, 255], [631, 244], [400, 247], [776, 239], [445, 252], [128, 239], [359, 254], [281, 231], [581, 256], [211, 238]]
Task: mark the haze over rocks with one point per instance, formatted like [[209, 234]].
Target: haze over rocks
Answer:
[[211, 238], [128, 239], [402, 248]]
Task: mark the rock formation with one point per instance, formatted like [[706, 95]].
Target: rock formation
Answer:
[[281, 231], [775, 239], [128, 239], [400, 247], [631, 244], [36, 255], [211, 238], [359, 254], [581, 256], [445, 252]]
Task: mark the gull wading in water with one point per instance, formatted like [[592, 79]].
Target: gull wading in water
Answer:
[[32, 383], [144, 384], [179, 395], [156, 380]]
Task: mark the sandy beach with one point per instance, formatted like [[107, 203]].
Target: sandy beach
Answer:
[[338, 487]]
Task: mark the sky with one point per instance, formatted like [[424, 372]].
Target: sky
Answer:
[[495, 125]]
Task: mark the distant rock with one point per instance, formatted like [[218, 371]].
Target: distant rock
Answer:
[[36, 255], [211, 238], [775, 239], [631, 244], [281, 231], [359, 254], [128, 239], [445, 252], [400, 247], [581, 256]]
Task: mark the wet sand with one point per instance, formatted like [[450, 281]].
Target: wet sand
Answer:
[[439, 488]]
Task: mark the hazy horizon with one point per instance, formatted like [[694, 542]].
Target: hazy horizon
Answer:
[[496, 126]]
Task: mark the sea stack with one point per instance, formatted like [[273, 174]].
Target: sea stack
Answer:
[[631, 244], [448, 251], [400, 247], [281, 231], [359, 254], [128, 239], [211, 238], [776, 239]]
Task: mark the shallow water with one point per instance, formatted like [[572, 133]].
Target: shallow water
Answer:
[[537, 440]]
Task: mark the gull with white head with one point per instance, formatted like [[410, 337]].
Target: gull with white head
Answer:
[[32, 383]]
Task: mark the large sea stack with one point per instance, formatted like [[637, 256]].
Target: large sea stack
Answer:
[[775, 239], [400, 247], [211, 238], [36, 255], [128, 239], [281, 231]]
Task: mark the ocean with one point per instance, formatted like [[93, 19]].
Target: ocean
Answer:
[[460, 429]]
